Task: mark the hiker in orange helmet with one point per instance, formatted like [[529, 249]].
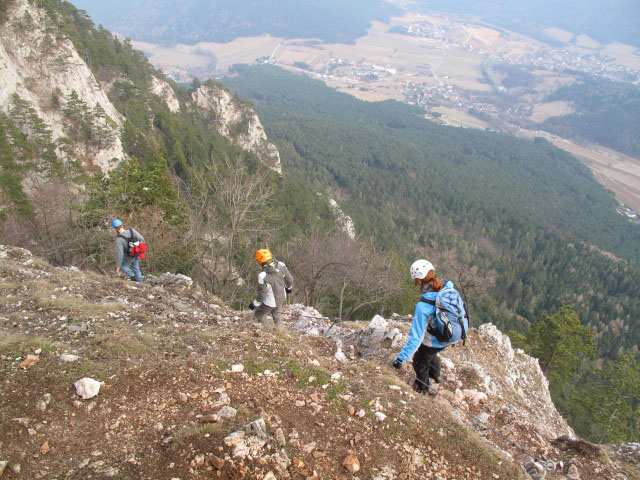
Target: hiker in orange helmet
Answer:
[[274, 283]]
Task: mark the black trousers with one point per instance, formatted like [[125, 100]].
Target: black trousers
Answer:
[[426, 365]]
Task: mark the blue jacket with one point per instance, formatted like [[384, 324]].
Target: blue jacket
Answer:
[[418, 333]]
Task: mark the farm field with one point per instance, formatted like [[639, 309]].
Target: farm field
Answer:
[[543, 111], [457, 118]]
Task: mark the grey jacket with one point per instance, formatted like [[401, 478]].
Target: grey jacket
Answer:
[[272, 281], [122, 245]]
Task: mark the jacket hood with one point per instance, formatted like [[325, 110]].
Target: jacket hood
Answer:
[[433, 295]]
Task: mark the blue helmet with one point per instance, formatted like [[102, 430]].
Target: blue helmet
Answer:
[[116, 223]]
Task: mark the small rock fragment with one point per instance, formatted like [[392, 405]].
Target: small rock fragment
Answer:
[[67, 357], [269, 476], [309, 447], [237, 368], [3, 466], [340, 356], [257, 427], [198, 461], [30, 361], [234, 439], [216, 462], [44, 449], [381, 416], [535, 470], [351, 463], [87, 387], [227, 412], [572, 473], [281, 441], [481, 419]]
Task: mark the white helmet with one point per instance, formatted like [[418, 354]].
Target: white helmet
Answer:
[[420, 269]]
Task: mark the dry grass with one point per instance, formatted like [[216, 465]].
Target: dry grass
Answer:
[[18, 344]]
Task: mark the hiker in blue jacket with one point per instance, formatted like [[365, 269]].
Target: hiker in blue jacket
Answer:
[[425, 361], [126, 263]]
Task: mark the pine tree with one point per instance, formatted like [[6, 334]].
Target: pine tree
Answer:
[[561, 343]]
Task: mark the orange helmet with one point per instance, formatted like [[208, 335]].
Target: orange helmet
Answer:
[[263, 255]]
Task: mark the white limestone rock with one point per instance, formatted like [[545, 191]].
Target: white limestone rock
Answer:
[[87, 387], [237, 122]]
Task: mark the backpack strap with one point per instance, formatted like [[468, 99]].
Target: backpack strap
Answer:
[[131, 238], [430, 302]]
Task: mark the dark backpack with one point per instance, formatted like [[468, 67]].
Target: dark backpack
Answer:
[[450, 308], [135, 247]]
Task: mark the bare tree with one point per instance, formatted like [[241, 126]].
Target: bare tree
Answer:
[[242, 201], [370, 279], [316, 258], [331, 267], [470, 281], [229, 207]]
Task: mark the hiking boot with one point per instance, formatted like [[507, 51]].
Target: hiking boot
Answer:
[[420, 388]]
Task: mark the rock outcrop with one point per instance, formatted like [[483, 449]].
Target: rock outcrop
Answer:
[[236, 121], [38, 63], [163, 90], [345, 223]]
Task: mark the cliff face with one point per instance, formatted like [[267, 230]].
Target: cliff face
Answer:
[[41, 68], [163, 90], [39, 65], [237, 122]]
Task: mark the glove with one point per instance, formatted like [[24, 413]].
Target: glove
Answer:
[[396, 364], [252, 306], [288, 290]]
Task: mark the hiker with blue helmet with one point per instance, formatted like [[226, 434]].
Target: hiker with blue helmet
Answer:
[[125, 262], [440, 319]]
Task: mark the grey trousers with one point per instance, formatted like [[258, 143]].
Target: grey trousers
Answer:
[[263, 311]]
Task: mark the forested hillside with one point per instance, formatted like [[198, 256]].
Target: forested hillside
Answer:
[[527, 211], [607, 113], [607, 22], [170, 186], [196, 21]]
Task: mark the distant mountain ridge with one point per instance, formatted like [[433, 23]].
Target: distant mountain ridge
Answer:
[[193, 21]]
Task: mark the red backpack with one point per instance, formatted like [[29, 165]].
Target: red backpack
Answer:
[[134, 246]]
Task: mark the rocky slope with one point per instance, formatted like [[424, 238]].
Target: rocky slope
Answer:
[[189, 388]]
